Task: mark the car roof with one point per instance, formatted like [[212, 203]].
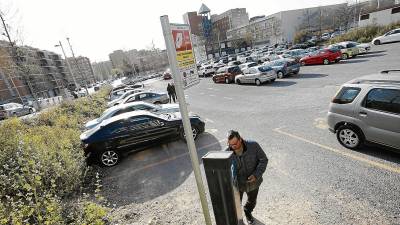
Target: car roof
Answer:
[[125, 105], [391, 77], [127, 115]]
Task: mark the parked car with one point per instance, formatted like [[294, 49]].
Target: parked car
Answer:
[[325, 36], [256, 75], [234, 63], [363, 47], [117, 93], [134, 131], [147, 96], [388, 37], [247, 65], [347, 48], [167, 76], [226, 74], [367, 109], [14, 109], [284, 67], [124, 95], [133, 106], [206, 70], [245, 59], [323, 56]]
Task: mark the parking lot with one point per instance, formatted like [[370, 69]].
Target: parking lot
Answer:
[[310, 178]]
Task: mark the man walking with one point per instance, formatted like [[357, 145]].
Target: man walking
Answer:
[[169, 91], [173, 92], [250, 162]]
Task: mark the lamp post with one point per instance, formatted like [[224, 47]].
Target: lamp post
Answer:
[[77, 66], [68, 65]]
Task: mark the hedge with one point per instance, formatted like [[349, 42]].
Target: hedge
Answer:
[[364, 34], [43, 173]]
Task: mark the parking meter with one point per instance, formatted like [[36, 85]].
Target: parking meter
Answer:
[[223, 191]]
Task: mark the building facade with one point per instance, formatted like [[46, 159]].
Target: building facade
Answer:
[[282, 26], [139, 61], [82, 70], [27, 73], [380, 17]]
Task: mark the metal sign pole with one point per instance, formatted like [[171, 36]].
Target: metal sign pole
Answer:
[[169, 43]]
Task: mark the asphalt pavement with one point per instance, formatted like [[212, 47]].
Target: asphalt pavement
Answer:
[[310, 178]]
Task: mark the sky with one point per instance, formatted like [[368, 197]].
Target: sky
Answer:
[[98, 27]]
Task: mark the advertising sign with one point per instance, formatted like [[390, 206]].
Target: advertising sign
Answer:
[[184, 54]]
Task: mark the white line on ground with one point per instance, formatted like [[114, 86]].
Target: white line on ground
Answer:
[[343, 153], [212, 95], [228, 98]]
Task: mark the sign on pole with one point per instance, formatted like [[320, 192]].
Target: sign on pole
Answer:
[[184, 54], [184, 73]]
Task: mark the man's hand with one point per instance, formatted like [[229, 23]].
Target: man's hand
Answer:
[[251, 179]]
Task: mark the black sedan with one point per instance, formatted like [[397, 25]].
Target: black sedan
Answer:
[[134, 131]]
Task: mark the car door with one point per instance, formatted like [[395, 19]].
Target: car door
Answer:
[[380, 115], [388, 37], [142, 97], [396, 35], [251, 76]]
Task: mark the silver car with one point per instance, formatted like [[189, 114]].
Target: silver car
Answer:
[[130, 107], [367, 109], [147, 96], [256, 75], [14, 109], [124, 95]]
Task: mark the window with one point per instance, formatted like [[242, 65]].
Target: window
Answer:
[[396, 10], [346, 95], [364, 17], [380, 99], [141, 96]]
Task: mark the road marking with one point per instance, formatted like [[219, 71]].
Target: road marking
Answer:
[[321, 123], [209, 120], [228, 98], [211, 131], [212, 95], [340, 152], [210, 88], [166, 160]]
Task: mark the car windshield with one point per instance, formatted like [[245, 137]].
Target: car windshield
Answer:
[[264, 68], [106, 114]]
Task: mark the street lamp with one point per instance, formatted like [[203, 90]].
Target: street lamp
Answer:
[[69, 66]]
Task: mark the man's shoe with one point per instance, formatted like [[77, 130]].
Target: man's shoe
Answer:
[[249, 217]]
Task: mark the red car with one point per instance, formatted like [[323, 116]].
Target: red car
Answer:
[[323, 56], [226, 74]]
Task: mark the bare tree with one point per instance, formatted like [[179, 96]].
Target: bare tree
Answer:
[[344, 16]]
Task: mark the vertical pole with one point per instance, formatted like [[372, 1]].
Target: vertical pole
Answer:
[[68, 65], [77, 66], [169, 43]]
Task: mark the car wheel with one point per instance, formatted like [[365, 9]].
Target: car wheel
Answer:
[[226, 80], [238, 81], [157, 103], [258, 82], [109, 158], [377, 42], [280, 74], [296, 72], [326, 61], [273, 80], [349, 137], [345, 56], [30, 111], [195, 131]]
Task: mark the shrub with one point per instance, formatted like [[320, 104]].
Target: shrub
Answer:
[[42, 166], [364, 34]]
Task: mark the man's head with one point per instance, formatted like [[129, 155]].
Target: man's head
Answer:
[[234, 140]]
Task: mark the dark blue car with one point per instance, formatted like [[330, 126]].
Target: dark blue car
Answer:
[[134, 131]]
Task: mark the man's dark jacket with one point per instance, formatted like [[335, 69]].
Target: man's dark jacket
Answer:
[[253, 161]]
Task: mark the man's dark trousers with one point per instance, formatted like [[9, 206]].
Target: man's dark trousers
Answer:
[[251, 200]]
